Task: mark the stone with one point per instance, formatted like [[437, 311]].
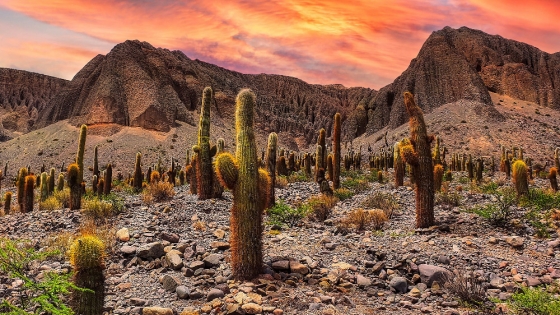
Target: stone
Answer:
[[137, 301], [430, 273], [252, 308], [219, 233], [533, 282], [174, 259], [128, 250], [182, 292], [122, 235], [151, 250], [197, 264], [220, 245], [214, 294], [399, 284], [342, 265], [515, 241], [297, 267], [170, 237], [195, 295], [443, 260], [213, 260], [281, 265], [378, 266], [415, 292], [278, 312], [189, 311], [362, 281], [156, 310], [170, 283]]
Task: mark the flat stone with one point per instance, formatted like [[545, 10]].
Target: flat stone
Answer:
[[151, 250], [137, 301], [156, 310], [362, 281], [430, 273], [190, 311], [170, 283], [123, 235], [297, 267], [378, 266], [515, 241], [281, 265], [213, 260], [533, 282], [128, 250], [219, 233], [174, 259], [220, 245], [170, 237], [197, 264], [252, 308], [214, 294], [415, 292], [443, 260], [342, 265]]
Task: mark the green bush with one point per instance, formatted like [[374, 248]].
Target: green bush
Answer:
[[498, 213], [489, 188], [343, 193], [297, 177], [100, 207], [282, 213], [356, 184], [42, 297], [540, 200], [534, 301]]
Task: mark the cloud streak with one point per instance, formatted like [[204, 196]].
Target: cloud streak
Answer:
[[357, 43]]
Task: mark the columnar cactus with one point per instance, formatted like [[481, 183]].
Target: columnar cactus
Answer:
[[21, 187], [251, 192], [44, 186], [87, 257], [281, 167], [557, 158], [479, 169], [519, 178], [138, 177], [203, 149], [552, 178], [75, 187], [380, 177], [8, 202], [108, 180], [191, 174], [95, 163], [321, 140], [398, 165], [80, 154], [336, 151], [470, 168], [436, 154], [51, 181], [419, 157], [330, 172], [291, 163], [29, 194], [60, 182], [307, 164], [318, 162], [271, 165], [438, 176], [94, 184]]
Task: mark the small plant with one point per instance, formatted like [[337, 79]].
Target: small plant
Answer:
[[297, 177], [356, 184], [384, 201], [281, 181], [282, 213], [97, 209], [467, 287], [343, 193], [498, 213], [321, 206], [359, 219], [534, 301], [158, 191], [50, 204], [489, 188]]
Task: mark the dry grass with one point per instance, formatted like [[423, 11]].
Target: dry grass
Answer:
[[386, 202], [50, 204], [63, 197], [360, 219], [320, 206], [281, 182], [97, 209], [59, 242], [158, 191], [199, 225], [466, 286]]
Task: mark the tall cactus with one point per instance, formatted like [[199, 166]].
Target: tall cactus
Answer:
[[336, 151], [86, 256], [271, 165], [519, 178], [60, 182], [95, 163], [8, 202], [398, 165], [438, 176], [479, 169], [251, 192], [44, 186], [29, 194], [75, 187], [552, 177], [436, 155], [51, 181], [557, 158], [108, 180], [138, 177], [80, 154], [330, 173], [203, 149], [318, 163], [419, 157], [21, 187]]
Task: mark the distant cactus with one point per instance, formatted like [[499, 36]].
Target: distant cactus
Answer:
[[251, 192], [29, 194], [271, 165], [8, 202], [75, 187], [108, 180], [507, 167], [60, 182], [519, 178], [552, 178], [203, 149], [557, 158], [380, 177], [155, 177], [21, 187], [94, 183], [291, 163], [419, 157], [87, 255], [330, 172], [398, 165], [448, 176], [182, 177], [138, 177], [172, 173], [44, 186], [51, 181], [220, 145], [470, 168], [307, 164], [191, 174], [281, 167], [479, 169], [321, 140], [95, 163], [438, 176], [149, 175], [318, 162], [100, 186], [336, 151], [80, 154]]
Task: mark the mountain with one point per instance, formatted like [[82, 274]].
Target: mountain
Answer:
[[138, 85]]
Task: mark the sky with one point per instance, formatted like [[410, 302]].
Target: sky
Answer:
[[354, 43]]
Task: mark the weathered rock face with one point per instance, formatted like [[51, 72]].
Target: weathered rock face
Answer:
[[456, 64], [139, 85], [22, 95]]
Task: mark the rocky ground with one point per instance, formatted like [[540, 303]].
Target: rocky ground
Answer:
[[174, 255]]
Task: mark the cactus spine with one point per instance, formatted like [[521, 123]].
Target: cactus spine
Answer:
[[203, 150], [271, 165], [138, 177], [75, 187], [86, 256], [419, 157], [519, 178], [80, 154], [251, 192], [336, 151]]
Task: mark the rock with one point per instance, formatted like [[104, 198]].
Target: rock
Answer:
[[252, 308], [174, 259], [278, 312], [220, 245], [213, 260], [170, 237], [128, 250], [497, 283], [342, 265], [443, 260], [214, 294], [281, 265], [122, 235], [197, 264], [219, 233], [189, 311], [362, 281], [152, 250], [156, 310], [137, 301], [399, 284], [195, 295], [170, 283], [415, 292], [533, 282], [515, 241], [430, 273], [553, 244], [297, 267], [182, 292], [378, 266]]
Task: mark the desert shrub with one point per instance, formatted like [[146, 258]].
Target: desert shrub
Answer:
[[498, 213], [97, 209], [320, 207], [297, 177], [343, 193], [360, 219], [281, 181], [199, 225], [63, 197], [158, 191], [467, 287], [534, 301], [58, 243], [384, 201], [448, 199], [489, 188], [283, 214], [356, 184], [46, 295], [540, 200], [50, 204]]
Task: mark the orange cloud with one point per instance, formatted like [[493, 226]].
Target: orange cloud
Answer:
[[357, 43]]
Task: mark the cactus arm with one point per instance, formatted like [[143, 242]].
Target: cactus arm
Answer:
[[227, 170]]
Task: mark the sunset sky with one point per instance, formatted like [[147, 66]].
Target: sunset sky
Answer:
[[355, 43]]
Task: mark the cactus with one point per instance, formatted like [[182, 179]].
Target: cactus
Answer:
[[520, 178], [29, 193], [398, 165], [307, 164], [138, 177], [7, 202], [557, 158], [438, 177], [281, 167], [552, 178], [336, 151], [51, 181], [87, 255], [75, 187], [191, 173], [251, 192], [271, 165], [479, 169], [507, 167], [419, 157], [172, 173], [44, 186], [108, 180], [182, 177], [324, 186], [470, 168], [330, 172], [21, 187], [220, 146], [380, 177], [448, 176], [80, 154], [318, 162], [203, 149], [436, 154], [95, 163], [291, 163], [60, 182], [94, 184]]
